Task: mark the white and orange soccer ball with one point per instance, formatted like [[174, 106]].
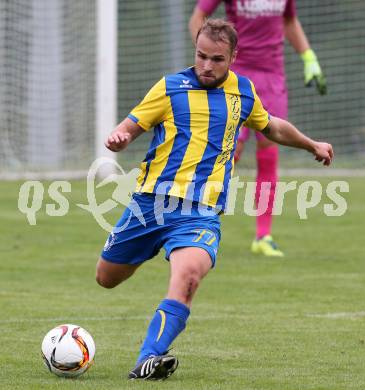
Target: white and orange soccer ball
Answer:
[[68, 350]]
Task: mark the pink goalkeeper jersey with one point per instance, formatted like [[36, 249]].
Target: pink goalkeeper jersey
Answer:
[[260, 27]]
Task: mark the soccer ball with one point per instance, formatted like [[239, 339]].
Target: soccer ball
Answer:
[[68, 350]]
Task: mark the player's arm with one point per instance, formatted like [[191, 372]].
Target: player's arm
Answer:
[[284, 133], [312, 71], [202, 10], [295, 34], [150, 111], [122, 135], [197, 20]]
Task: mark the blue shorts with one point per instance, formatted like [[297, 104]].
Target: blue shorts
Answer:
[[151, 222]]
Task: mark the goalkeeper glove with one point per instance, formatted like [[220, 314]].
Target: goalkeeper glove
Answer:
[[312, 71]]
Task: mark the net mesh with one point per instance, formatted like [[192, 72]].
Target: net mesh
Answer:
[[47, 67], [153, 41], [48, 78], [335, 31]]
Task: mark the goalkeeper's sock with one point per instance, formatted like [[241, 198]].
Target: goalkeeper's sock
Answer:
[[167, 323], [267, 162]]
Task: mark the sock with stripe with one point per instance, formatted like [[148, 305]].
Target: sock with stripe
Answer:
[[167, 323]]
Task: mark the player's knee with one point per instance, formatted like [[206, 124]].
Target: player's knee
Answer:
[[192, 286], [105, 281], [191, 280], [184, 284]]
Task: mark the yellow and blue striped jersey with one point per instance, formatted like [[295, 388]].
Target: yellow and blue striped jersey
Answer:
[[195, 134]]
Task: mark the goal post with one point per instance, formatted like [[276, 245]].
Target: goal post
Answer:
[[106, 79], [58, 85]]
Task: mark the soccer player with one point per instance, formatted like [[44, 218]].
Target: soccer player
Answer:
[[262, 27], [182, 188]]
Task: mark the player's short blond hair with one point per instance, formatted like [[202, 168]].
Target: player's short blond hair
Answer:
[[220, 30]]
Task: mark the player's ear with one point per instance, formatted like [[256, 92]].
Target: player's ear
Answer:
[[234, 55]]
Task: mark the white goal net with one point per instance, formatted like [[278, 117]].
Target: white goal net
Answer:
[[153, 40], [47, 90], [49, 78]]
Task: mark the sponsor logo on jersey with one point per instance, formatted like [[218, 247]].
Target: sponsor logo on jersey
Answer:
[[255, 8]]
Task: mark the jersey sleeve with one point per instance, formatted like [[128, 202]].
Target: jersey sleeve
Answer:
[[259, 117], [290, 9], [208, 6], [152, 108]]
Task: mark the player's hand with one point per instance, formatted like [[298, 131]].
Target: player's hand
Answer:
[[238, 151], [117, 141], [323, 152], [313, 72]]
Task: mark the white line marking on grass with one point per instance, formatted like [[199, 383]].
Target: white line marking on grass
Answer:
[[334, 316], [68, 320], [126, 317]]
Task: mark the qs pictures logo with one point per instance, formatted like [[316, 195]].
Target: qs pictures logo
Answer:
[[32, 193]]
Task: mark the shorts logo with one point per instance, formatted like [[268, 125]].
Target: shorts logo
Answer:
[[109, 242]]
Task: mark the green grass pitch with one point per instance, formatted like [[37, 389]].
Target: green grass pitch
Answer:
[[256, 323]]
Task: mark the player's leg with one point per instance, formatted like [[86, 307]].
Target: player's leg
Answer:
[[130, 243], [272, 90], [267, 156], [188, 267], [191, 242], [110, 274]]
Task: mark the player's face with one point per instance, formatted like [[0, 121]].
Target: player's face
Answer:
[[212, 61]]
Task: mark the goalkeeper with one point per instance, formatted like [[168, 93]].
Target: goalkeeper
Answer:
[[262, 27]]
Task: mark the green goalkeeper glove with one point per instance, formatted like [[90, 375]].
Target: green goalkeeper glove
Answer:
[[312, 71]]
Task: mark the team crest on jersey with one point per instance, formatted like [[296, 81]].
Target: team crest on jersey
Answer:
[[255, 8], [234, 109]]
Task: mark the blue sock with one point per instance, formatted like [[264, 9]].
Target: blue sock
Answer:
[[168, 321]]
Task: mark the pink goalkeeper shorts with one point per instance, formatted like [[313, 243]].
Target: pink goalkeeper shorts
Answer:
[[271, 89]]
